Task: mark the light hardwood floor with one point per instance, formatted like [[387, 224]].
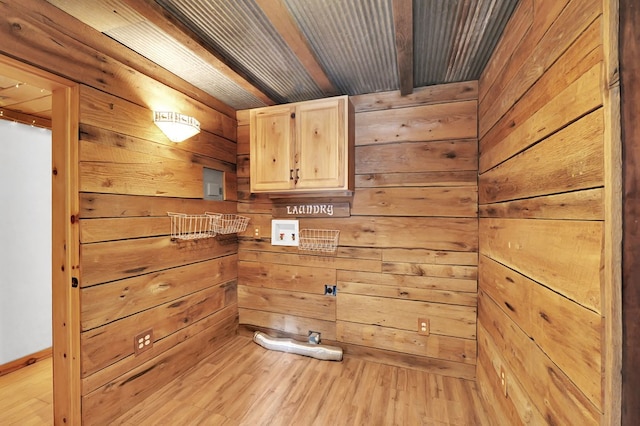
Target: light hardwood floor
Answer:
[[26, 395], [244, 384]]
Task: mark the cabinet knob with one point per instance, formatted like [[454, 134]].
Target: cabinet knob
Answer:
[[290, 174], [295, 182], [293, 115]]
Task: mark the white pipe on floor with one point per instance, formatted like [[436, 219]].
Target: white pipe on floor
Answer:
[[323, 352]]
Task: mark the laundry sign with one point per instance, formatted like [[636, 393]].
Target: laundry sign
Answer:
[[312, 210]]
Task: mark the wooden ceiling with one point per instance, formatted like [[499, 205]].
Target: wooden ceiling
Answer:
[[24, 103]]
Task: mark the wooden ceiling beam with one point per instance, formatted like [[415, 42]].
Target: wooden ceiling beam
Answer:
[[20, 117], [403, 24], [167, 23], [283, 22]]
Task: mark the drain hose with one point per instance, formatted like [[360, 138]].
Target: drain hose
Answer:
[[323, 352]]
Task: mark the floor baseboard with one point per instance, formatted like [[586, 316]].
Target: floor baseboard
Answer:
[[25, 361]]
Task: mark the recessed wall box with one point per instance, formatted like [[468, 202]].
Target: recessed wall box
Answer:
[[212, 184], [284, 233]]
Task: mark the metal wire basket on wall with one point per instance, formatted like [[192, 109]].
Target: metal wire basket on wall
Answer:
[[191, 226], [228, 223], [319, 240]]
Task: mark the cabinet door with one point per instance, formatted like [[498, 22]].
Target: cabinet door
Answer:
[[271, 149], [320, 144]]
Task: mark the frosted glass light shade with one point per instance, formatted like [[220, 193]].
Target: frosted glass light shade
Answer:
[[177, 127]]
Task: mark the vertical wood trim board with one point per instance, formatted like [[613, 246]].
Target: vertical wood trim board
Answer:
[[630, 92], [612, 305], [66, 268]]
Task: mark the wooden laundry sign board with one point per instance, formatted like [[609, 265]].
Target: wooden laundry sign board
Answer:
[[311, 210]]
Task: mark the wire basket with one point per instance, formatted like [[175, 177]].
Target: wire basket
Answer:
[[227, 223], [319, 240], [190, 227]]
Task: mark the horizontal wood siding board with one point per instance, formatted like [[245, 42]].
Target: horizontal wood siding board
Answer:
[[296, 325], [100, 205], [243, 167], [567, 332], [167, 179], [434, 346], [571, 22], [418, 157], [412, 282], [429, 256], [331, 262], [98, 144], [438, 94], [554, 165], [110, 261], [456, 120], [578, 99], [454, 178], [286, 277], [408, 293], [122, 393], [359, 253], [549, 389], [428, 269], [242, 117], [578, 205], [97, 230], [111, 342], [287, 302], [105, 303], [581, 56], [243, 140], [449, 202], [433, 233], [433, 365], [445, 320], [562, 255], [112, 372]]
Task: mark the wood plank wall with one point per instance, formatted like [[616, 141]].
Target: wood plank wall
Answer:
[[408, 250], [132, 277], [541, 192]]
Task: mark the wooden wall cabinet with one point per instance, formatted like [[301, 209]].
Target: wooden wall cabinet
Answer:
[[303, 147]]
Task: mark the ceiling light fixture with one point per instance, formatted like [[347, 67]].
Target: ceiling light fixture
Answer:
[[177, 127]]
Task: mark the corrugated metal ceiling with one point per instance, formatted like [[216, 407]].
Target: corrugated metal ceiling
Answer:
[[321, 48], [353, 40]]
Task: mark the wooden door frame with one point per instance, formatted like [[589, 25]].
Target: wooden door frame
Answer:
[[65, 236]]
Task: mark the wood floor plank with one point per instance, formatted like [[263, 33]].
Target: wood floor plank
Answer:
[[245, 384]]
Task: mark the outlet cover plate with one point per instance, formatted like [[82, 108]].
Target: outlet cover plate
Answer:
[[143, 341], [423, 326]]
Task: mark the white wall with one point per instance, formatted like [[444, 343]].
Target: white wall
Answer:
[[25, 240]]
